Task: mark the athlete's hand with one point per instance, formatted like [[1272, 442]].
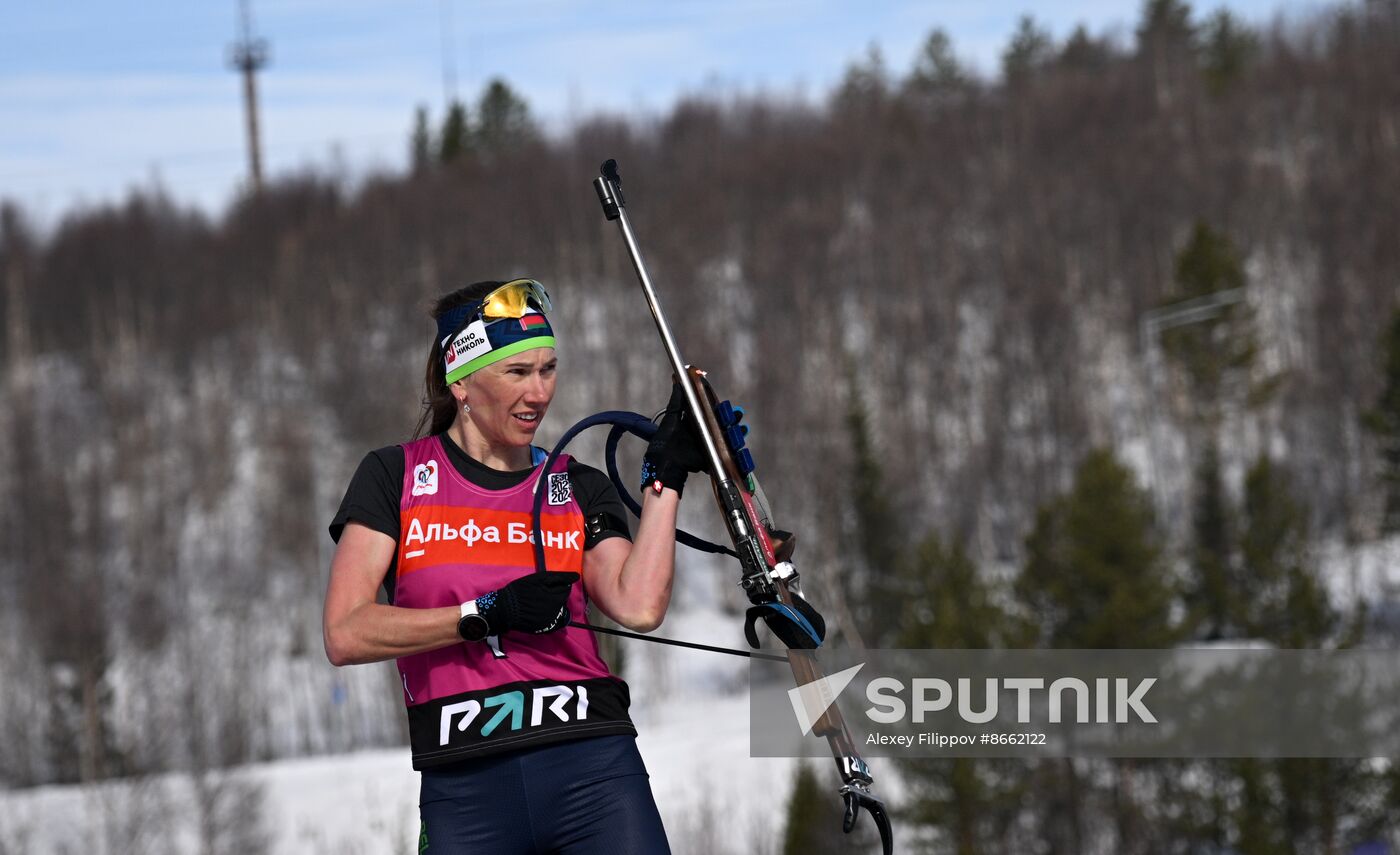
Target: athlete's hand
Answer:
[[676, 449], [535, 603]]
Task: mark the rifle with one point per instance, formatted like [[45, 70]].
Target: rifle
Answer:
[[769, 577]]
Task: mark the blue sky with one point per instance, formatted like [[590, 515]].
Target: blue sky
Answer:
[[98, 96]]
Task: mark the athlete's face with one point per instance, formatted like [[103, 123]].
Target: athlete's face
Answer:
[[509, 398]]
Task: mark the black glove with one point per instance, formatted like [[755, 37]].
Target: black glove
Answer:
[[676, 449], [535, 603]]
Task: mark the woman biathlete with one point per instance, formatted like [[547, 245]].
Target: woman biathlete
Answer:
[[520, 731]]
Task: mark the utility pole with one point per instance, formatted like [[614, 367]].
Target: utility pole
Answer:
[[449, 58], [247, 55]]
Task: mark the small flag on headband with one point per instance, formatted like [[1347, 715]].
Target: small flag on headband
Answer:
[[531, 321]]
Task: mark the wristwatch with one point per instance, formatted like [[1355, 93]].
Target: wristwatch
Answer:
[[472, 626]]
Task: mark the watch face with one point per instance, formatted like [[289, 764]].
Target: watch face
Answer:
[[473, 627]]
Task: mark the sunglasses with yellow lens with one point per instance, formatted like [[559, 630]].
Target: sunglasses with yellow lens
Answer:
[[514, 299]]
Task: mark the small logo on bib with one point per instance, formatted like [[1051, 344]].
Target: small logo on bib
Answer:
[[560, 490], [425, 478]]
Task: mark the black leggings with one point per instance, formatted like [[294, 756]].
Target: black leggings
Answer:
[[584, 797]]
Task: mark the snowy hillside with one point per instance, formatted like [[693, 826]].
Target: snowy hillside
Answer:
[[712, 796]]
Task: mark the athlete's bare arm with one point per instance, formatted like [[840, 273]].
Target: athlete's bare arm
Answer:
[[358, 630], [631, 582]]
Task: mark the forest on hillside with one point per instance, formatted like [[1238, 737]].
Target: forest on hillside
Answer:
[[936, 289]]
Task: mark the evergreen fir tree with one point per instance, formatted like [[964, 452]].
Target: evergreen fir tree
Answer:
[[969, 802], [453, 141], [1093, 576], [503, 120], [1082, 52], [1094, 579], [948, 606], [1298, 805], [1228, 48], [812, 815], [1031, 49], [879, 539], [1212, 597], [1291, 804], [1219, 349], [1283, 600], [936, 68], [866, 84], [1166, 25], [1166, 39], [1383, 420], [1255, 816], [420, 145]]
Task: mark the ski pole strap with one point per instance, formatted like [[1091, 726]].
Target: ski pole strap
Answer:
[[753, 654]]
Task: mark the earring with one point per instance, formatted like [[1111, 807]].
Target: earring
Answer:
[[466, 408]]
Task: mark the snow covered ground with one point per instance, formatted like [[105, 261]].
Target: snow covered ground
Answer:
[[713, 797], [1368, 571], [690, 707]]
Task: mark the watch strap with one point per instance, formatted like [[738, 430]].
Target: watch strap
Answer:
[[471, 615]]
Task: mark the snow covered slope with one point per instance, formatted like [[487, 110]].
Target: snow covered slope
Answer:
[[713, 797]]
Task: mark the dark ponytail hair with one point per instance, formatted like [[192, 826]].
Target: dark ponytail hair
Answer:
[[439, 407]]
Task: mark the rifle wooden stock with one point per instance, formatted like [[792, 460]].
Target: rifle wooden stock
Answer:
[[804, 665]]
